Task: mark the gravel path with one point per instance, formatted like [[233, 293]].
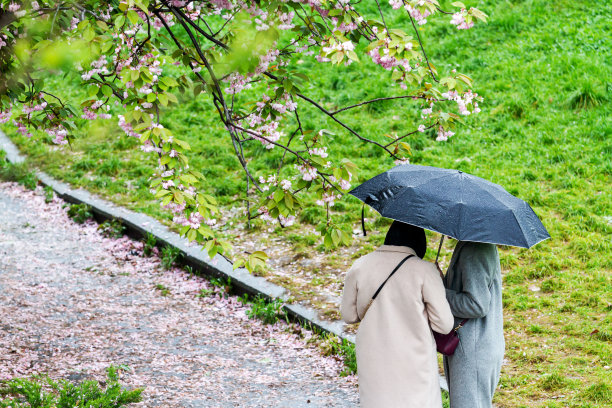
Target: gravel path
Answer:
[[73, 302]]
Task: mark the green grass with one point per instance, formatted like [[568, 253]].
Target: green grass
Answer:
[[544, 69], [43, 392]]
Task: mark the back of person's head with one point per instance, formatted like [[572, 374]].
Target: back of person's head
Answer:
[[401, 234]]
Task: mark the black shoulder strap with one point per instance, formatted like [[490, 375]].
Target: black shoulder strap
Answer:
[[390, 275]]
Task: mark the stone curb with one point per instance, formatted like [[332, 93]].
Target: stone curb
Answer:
[[138, 225]]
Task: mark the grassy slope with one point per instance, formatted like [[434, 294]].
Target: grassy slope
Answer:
[[535, 62]]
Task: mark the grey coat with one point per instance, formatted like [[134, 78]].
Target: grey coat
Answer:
[[473, 291]]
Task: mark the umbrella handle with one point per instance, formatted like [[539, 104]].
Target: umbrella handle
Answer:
[[363, 219], [439, 248]]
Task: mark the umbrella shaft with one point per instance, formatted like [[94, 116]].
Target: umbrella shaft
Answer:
[[439, 248]]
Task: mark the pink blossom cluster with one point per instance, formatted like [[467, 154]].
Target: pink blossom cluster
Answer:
[[266, 59], [328, 198], [318, 151], [127, 127], [265, 129], [3, 40], [269, 133], [261, 22], [386, 60], [283, 221], [308, 172], [237, 83], [27, 109], [99, 67], [396, 4], [443, 135], [21, 128], [5, 115], [158, 24], [462, 101], [286, 21], [265, 214], [59, 134], [427, 112], [194, 220], [343, 184], [460, 22], [420, 17], [345, 27], [286, 221], [272, 181], [90, 113]]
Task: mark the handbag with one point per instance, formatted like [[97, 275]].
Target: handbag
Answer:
[[383, 284], [447, 343]]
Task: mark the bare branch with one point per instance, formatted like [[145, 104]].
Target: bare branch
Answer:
[[377, 100]]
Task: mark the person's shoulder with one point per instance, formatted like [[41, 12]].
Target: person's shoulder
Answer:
[[426, 268], [359, 262]]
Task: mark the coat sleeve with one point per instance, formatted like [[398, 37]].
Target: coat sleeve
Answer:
[[348, 307], [439, 313], [477, 263]]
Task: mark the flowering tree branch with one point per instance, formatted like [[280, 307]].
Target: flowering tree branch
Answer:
[[240, 54]]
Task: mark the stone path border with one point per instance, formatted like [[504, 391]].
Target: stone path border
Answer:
[[138, 225]]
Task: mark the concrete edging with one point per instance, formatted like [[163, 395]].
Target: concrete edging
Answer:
[[138, 225]]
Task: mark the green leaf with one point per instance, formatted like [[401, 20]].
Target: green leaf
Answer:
[[133, 17], [119, 22], [106, 90], [103, 26], [163, 99], [188, 179], [260, 255], [169, 81], [278, 195], [289, 201], [161, 193], [171, 97], [458, 4]]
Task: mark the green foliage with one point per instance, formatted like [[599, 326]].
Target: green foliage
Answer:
[[49, 194], [255, 262], [205, 292], [600, 393], [112, 228], [80, 213], [42, 392], [265, 310], [19, 173], [333, 345], [169, 256], [553, 382], [164, 290], [149, 244], [224, 284]]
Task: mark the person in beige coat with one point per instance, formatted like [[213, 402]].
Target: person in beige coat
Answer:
[[396, 352]]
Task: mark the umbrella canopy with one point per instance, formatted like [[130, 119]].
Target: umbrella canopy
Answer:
[[453, 203]]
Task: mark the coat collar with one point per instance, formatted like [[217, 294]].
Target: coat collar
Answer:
[[394, 248]]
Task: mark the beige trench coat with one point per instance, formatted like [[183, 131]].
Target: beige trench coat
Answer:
[[396, 356]]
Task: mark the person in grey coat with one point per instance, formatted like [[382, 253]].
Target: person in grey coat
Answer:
[[474, 291]]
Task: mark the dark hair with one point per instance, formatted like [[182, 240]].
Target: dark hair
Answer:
[[401, 234]]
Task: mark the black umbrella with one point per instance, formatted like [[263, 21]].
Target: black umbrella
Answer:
[[453, 203]]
